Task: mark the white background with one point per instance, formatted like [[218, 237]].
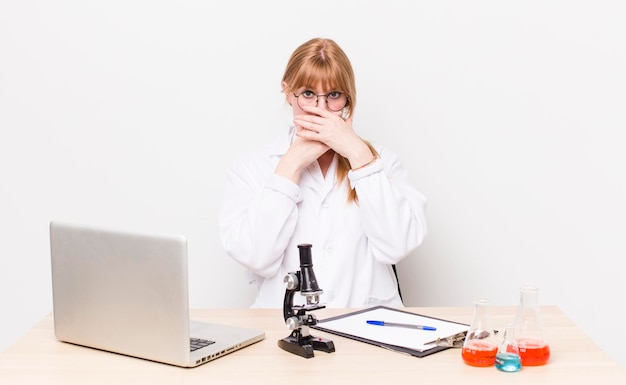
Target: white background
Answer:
[[509, 116]]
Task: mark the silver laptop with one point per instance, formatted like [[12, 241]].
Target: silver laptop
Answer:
[[127, 293]]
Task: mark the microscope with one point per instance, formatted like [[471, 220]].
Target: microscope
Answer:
[[300, 341]]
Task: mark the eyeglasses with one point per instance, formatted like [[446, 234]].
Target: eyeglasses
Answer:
[[335, 101]]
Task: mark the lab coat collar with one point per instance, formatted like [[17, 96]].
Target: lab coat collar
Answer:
[[312, 177], [280, 145]]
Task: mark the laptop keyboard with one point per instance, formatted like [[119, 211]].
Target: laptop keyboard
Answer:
[[198, 343]]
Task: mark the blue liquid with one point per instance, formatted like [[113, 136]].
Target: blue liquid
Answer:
[[508, 362]]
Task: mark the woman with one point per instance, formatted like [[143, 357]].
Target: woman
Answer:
[[322, 184]]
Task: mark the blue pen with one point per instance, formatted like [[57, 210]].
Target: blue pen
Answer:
[[383, 323]]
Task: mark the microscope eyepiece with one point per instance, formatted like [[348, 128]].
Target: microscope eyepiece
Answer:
[[308, 286]]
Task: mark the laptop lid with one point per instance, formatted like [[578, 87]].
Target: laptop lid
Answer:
[[127, 293]]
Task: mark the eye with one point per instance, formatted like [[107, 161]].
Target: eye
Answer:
[[334, 95], [308, 94]]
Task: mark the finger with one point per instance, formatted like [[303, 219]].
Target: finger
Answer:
[[310, 119], [307, 134], [319, 111]]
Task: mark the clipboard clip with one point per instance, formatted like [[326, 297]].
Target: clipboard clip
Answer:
[[453, 341]]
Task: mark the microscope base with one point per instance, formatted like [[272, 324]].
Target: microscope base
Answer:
[[305, 346]]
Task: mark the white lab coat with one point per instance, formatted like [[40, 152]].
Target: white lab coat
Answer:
[[265, 217]]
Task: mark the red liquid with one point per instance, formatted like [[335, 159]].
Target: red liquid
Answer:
[[478, 353], [533, 353]]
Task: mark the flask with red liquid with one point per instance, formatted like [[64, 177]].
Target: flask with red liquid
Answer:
[[534, 350], [480, 345]]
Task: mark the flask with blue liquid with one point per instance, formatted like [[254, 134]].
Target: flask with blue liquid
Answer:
[[508, 358]]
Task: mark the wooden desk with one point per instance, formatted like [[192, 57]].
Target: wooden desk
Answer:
[[38, 358]]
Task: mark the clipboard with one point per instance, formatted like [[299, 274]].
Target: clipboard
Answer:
[[414, 342]]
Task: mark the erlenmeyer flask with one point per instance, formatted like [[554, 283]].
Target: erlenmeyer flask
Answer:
[[533, 347], [508, 359], [480, 345]]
